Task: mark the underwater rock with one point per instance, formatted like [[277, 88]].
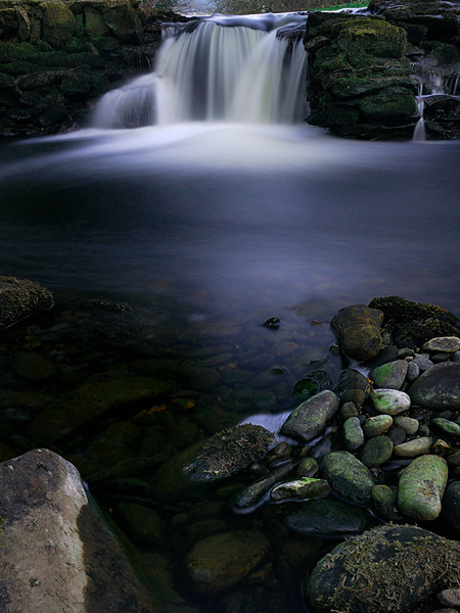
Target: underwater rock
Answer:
[[310, 418], [221, 561], [421, 487], [143, 524], [328, 517], [357, 328], [404, 565], [246, 500], [228, 452], [438, 388], [348, 477], [20, 299]]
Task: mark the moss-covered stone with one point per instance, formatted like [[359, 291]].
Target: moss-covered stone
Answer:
[[59, 24]]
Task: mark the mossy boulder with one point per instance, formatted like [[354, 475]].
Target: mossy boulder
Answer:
[[402, 565], [357, 328], [59, 24]]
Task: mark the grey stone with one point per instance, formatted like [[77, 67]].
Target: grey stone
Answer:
[[309, 418], [390, 401], [413, 371], [398, 435], [438, 388], [391, 375], [442, 344], [408, 424], [414, 448], [450, 597], [53, 541], [421, 487], [423, 363], [348, 477]]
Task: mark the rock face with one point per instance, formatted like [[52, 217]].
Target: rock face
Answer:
[[58, 57], [401, 565], [20, 299], [55, 550]]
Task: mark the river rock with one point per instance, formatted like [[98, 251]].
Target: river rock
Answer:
[[230, 451], [390, 375], [421, 487], [328, 517], [376, 425], [348, 477], [357, 328], [20, 299], [377, 451], [308, 467], [309, 418], [52, 542], [401, 565], [221, 561], [408, 424], [384, 501], [412, 449], [447, 426], [305, 488], [353, 435], [442, 344], [438, 388], [413, 371], [389, 401]]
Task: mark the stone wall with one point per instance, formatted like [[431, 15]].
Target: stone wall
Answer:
[[57, 58]]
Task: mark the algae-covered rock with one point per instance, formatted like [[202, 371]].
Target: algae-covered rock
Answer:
[[401, 565], [348, 477], [22, 298], [310, 418], [229, 451], [357, 328], [221, 561], [422, 486], [391, 375]]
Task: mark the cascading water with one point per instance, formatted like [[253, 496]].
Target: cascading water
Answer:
[[218, 69]]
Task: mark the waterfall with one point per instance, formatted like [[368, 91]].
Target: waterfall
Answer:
[[238, 69]]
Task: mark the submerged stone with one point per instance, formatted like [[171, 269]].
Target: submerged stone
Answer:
[[230, 451], [422, 486], [310, 418], [246, 500], [357, 328], [438, 388], [328, 517], [348, 477], [218, 562]]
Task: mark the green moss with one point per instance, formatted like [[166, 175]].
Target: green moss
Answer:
[[16, 52]]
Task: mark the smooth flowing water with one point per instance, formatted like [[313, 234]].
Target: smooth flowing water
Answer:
[[199, 196]]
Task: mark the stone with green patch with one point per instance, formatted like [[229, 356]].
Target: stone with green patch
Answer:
[[421, 487]]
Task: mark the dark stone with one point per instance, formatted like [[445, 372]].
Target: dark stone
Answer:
[[357, 329], [438, 388]]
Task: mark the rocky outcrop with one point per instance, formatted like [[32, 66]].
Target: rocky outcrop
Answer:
[[366, 69], [56, 553], [57, 58]]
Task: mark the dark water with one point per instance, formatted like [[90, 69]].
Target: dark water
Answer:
[[206, 231]]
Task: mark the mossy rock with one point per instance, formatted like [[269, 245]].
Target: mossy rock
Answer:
[[402, 565], [122, 20], [59, 24], [391, 104], [16, 52]]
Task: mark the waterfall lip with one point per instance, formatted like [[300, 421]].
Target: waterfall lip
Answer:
[[265, 21]]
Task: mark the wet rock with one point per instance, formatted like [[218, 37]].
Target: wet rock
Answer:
[[348, 477], [421, 487], [377, 451], [391, 375], [357, 329], [408, 424], [52, 541], [404, 565], [305, 488], [438, 388], [412, 449], [20, 299], [352, 435], [246, 500], [310, 418], [328, 517], [447, 426], [348, 410], [221, 561], [374, 426], [313, 383], [389, 401], [228, 452], [308, 467]]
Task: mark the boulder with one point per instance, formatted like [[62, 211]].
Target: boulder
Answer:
[[56, 550], [357, 328], [401, 565], [438, 388]]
